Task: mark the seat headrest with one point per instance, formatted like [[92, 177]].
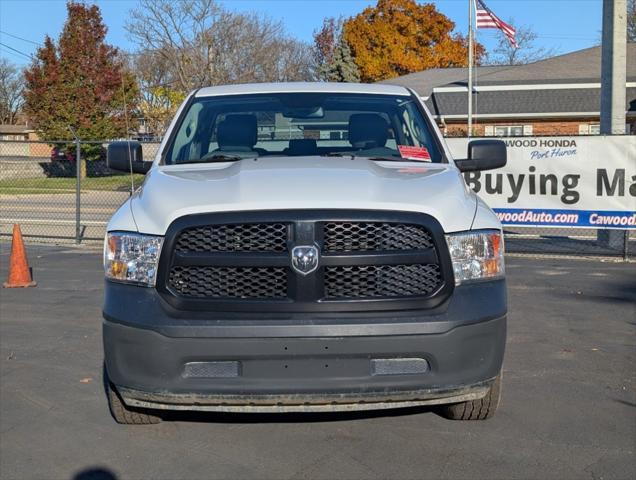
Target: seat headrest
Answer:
[[368, 130], [237, 131], [302, 146]]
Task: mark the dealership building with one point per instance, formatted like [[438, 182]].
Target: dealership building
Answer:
[[557, 96]]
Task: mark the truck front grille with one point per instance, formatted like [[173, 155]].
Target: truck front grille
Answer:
[[243, 237], [229, 282], [377, 281], [372, 236], [367, 261]]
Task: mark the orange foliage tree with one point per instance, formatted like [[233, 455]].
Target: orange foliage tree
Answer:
[[397, 37]]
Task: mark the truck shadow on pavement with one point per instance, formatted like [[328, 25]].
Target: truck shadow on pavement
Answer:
[[95, 473], [288, 417], [612, 293]]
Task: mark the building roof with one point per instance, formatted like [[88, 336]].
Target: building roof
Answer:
[[14, 129], [565, 85], [424, 82], [582, 66], [313, 87], [548, 103]]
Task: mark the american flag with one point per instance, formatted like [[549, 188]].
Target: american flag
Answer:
[[487, 19]]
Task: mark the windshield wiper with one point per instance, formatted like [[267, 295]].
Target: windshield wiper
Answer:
[[392, 159], [353, 156], [216, 158], [339, 154]]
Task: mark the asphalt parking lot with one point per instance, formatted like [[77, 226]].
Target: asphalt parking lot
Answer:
[[568, 408]]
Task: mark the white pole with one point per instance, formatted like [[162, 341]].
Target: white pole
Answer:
[[613, 75], [470, 68], [613, 67]]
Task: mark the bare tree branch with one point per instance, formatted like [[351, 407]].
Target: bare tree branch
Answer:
[[11, 90], [527, 51], [203, 44]]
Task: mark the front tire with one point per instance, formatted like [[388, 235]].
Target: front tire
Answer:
[[481, 409], [124, 414]]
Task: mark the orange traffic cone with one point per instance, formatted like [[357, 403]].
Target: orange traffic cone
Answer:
[[19, 272]]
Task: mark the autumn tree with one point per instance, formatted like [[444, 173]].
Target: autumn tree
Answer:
[[397, 37], [11, 89], [159, 98], [79, 83], [526, 51], [334, 61], [325, 40]]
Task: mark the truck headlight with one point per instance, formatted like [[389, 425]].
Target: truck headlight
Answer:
[[476, 255], [132, 257]]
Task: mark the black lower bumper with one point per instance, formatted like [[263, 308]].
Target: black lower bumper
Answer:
[[159, 361], [315, 402]]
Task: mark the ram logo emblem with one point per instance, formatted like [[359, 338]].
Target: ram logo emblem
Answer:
[[304, 259]]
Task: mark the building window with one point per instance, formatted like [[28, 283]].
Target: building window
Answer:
[[586, 129], [509, 131]]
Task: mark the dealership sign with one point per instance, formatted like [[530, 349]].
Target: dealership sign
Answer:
[[587, 182]]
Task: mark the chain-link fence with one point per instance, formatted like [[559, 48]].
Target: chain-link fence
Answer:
[[570, 241], [42, 189]]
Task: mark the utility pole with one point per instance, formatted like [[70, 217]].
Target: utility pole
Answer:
[[470, 68], [613, 67], [613, 77]]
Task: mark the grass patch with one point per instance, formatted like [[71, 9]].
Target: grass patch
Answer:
[[15, 186]]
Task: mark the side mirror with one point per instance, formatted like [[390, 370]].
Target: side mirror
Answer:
[[483, 155], [126, 155]]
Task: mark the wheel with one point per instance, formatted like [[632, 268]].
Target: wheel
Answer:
[[481, 409], [123, 413]]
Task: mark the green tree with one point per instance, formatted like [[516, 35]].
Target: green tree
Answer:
[[342, 66], [332, 55], [80, 83]]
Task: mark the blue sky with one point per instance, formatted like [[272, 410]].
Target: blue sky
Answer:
[[564, 25]]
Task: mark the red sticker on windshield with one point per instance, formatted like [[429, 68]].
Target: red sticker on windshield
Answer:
[[414, 153]]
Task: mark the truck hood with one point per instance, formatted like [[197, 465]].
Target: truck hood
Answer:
[[279, 183]]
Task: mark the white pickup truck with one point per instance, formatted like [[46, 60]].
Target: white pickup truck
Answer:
[[303, 247]]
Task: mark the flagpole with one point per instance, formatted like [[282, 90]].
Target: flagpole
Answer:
[[470, 68]]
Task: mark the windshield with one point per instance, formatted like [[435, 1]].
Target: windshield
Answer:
[[302, 124]]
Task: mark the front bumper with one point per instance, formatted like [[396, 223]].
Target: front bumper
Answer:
[[302, 403], [302, 364]]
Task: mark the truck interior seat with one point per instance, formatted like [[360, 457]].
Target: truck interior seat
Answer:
[[237, 133], [302, 146], [368, 130]]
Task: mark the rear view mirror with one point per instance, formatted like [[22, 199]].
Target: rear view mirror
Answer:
[[125, 156], [483, 155], [304, 112]]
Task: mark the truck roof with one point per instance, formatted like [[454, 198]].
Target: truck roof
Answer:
[[289, 87]]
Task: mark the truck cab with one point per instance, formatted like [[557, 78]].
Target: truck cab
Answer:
[[303, 247]]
